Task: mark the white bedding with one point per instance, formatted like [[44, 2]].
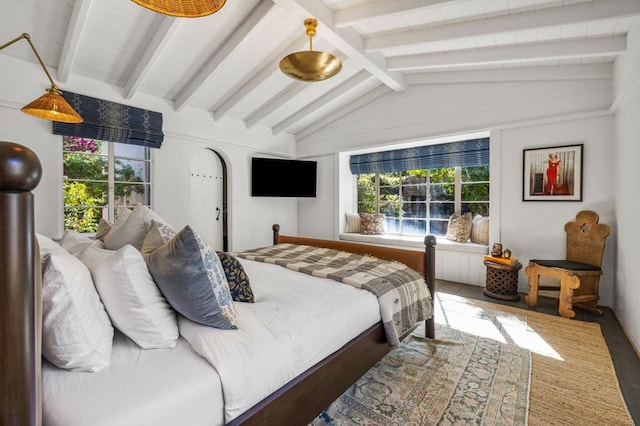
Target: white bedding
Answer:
[[140, 387], [278, 338]]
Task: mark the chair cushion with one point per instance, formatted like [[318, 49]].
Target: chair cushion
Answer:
[[567, 264]]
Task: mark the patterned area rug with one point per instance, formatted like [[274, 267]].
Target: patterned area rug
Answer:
[[472, 374]]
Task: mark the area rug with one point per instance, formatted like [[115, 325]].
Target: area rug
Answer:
[[491, 365], [462, 377], [573, 380]]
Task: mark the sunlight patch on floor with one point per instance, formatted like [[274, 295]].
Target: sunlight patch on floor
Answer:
[[455, 312]]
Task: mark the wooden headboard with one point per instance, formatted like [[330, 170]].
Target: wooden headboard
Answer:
[[20, 283], [421, 261]]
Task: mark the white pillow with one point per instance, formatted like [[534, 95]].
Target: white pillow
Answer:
[[133, 230], [76, 332], [480, 230], [353, 222], [48, 246], [74, 242], [131, 297]]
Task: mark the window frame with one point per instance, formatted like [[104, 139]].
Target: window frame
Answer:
[[110, 181], [457, 201]]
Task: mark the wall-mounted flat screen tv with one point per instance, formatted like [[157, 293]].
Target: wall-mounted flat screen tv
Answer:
[[271, 177]]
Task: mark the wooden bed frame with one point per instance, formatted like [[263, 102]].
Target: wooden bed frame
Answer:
[[296, 403]]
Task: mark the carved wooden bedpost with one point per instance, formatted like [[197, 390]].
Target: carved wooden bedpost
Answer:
[[430, 278], [276, 233], [20, 285]]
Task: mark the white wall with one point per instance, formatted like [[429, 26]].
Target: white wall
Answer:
[[434, 111], [535, 229], [626, 177], [518, 116], [317, 217], [185, 133]]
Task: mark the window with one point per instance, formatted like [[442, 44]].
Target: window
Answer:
[[101, 177], [419, 202]]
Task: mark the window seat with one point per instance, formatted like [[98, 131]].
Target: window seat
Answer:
[[418, 242], [458, 262]]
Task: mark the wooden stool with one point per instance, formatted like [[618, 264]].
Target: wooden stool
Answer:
[[502, 280]]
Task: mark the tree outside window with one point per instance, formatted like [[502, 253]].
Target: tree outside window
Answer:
[[100, 178], [418, 202]]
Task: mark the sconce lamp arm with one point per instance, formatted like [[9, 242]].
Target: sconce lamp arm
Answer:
[[27, 37]]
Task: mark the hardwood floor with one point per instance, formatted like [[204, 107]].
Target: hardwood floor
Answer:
[[625, 360]]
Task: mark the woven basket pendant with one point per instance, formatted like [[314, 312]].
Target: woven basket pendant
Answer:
[[184, 8]]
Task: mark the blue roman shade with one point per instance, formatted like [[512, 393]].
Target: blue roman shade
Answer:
[[113, 122], [473, 152]]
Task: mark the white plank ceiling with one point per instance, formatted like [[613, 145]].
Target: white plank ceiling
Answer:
[[227, 63]]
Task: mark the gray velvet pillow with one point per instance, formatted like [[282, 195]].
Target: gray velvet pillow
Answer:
[[191, 278]]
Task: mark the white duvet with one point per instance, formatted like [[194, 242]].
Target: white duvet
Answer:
[[297, 321], [280, 337]]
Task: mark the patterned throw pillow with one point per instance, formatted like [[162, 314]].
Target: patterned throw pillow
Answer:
[[371, 224], [191, 278], [459, 228], [237, 278], [157, 235]]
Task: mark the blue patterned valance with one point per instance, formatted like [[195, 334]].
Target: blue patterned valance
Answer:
[[113, 122], [474, 152]]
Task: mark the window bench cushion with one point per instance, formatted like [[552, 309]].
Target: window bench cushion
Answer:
[[417, 242]]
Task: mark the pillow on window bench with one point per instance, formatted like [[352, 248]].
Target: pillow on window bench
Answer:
[[459, 228], [353, 222], [371, 224], [480, 230]]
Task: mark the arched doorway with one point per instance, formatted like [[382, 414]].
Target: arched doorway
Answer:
[[208, 187]]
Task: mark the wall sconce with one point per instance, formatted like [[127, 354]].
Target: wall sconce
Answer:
[[50, 106]]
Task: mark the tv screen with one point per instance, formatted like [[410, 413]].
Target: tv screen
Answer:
[[272, 177]]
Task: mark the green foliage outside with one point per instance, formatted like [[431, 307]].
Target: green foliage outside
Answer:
[[86, 190], [412, 185], [78, 217]]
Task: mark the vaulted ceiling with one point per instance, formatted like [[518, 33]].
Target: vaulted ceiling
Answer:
[[227, 63]]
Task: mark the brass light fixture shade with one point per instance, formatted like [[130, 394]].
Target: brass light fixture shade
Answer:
[[184, 8], [310, 65], [50, 106]]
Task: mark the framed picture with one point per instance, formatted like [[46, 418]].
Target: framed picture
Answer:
[[553, 173]]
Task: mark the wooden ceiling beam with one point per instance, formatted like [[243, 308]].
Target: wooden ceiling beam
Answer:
[[195, 83], [601, 46], [156, 47], [414, 41], [356, 15], [77, 25]]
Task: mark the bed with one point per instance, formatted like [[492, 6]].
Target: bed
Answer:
[[297, 401]]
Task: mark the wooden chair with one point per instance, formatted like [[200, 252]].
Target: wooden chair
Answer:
[[579, 273]]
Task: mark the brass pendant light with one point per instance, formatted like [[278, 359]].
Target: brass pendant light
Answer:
[[184, 8], [310, 65]]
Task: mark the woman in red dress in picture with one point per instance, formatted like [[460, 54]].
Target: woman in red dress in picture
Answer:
[[552, 171]]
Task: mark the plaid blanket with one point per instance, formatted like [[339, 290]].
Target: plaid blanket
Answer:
[[402, 293]]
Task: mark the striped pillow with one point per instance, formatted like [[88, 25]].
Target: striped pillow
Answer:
[[480, 230], [353, 222]]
